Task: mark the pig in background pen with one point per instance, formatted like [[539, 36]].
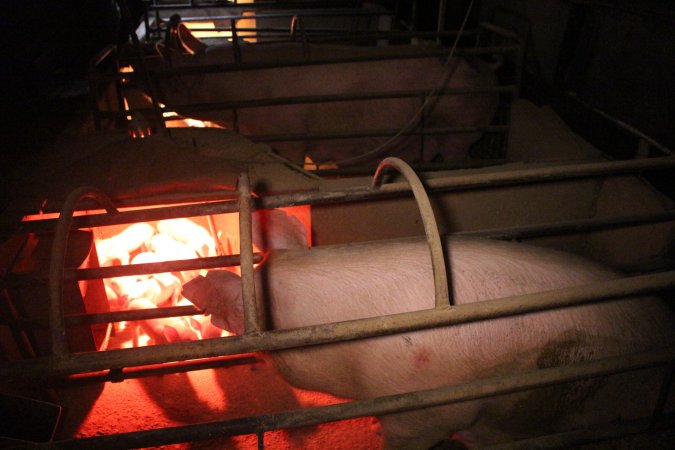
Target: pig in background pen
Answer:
[[381, 126]]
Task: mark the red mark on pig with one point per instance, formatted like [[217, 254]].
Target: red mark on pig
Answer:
[[421, 358]]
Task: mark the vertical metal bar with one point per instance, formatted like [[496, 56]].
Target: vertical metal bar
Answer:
[[442, 4], [261, 440], [235, 42], [422, 125], [251, 323], [430, 228]]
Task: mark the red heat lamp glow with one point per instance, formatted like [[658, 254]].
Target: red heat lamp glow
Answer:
[[158, 241]]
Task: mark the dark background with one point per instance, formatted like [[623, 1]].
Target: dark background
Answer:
[[616, 55]]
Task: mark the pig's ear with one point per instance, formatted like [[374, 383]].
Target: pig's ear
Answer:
[[274, 229], [196, 290]]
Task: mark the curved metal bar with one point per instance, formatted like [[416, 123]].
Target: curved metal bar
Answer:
[[251, 322], [429, 221], [58, 260]]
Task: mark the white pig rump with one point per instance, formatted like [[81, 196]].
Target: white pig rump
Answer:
[[371, 120], [336, 283]]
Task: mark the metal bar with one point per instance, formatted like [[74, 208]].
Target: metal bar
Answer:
[[217, 68], [621, 124], [289, 14], [376, 133], [341, 331], [251, 322], [571, 226], [58, 260], [267, 5], [433, 237], [156, 370], [93, 273], [389, 404], [450, 183], [281, 101]]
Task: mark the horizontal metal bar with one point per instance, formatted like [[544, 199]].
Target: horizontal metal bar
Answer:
[[450, 183], [572, 226], [340, 331], [309, 99], [138, 314], [376, 133], [109, 317], [244, 66], [17, 279], [300, 13], [620, 123], [156, 370], [378, 406], [298, 6]]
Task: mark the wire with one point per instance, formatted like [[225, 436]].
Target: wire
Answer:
[[431, 95]]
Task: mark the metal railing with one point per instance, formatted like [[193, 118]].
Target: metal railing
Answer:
[[256, 339]]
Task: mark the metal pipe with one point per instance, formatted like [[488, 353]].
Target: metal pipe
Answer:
[[441, 294], [621, 124], [217, 68], [451, 183], [93, 273], [309, 99], [342, 331], [377, 133], [571, 226], [378, 406], [251, 321], [116, 376], [58, 260]]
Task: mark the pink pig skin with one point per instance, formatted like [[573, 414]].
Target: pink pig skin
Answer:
[[369, 76], [335, 283]]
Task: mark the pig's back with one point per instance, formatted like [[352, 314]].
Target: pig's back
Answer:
[[365, 280]]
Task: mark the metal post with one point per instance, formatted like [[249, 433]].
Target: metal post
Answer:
[[251, 322]]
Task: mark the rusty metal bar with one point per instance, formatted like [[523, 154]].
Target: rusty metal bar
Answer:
[[116, 316], [342, 331], [251, 321], [441, 294], [455, 182], [17, 279], [572, 226], [380, 405], [621, 124], [410, 131], [229, 67], [281, 101], [156, 370], [58, 259]]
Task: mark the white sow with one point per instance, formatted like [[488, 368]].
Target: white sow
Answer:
[[369, 76], [330, 284]]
